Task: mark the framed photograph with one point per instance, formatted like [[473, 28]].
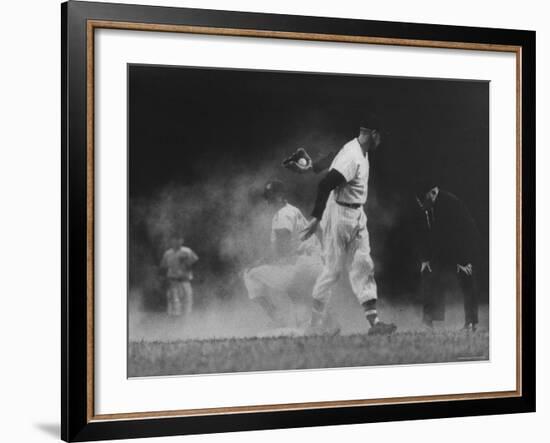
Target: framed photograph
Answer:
[[277, 221]]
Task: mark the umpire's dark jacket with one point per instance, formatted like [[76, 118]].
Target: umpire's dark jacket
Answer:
[[448, 234]]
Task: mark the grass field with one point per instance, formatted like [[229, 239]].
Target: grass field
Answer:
[[284, 352]]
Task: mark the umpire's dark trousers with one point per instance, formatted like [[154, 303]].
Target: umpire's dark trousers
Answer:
[[443, 278]]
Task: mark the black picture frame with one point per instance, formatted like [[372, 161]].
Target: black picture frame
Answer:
[[77, 423]]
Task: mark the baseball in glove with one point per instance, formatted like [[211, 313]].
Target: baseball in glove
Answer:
[[299, 161]]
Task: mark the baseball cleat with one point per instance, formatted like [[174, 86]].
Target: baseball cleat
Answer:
[[382, 328]]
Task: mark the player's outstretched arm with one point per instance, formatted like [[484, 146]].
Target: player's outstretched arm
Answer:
[[301, 162]]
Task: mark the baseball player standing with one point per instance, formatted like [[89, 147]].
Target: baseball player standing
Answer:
[[292, 266], [339, 211], [175, 267]]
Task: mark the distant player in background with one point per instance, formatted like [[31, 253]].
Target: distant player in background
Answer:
[[176, 269], [339, 212], [291, 267]]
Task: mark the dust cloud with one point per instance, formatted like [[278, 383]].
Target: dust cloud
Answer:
[[240, 318], [225, 220]]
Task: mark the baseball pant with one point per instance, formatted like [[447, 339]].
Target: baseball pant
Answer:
[[283, 279], [179, 297], [346, 245]]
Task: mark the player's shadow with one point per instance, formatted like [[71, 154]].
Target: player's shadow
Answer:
[[51, 429]]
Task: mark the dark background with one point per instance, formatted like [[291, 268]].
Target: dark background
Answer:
[[202, 142]]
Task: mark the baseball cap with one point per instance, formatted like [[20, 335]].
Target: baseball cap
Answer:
[[372, 120], [274, 188]]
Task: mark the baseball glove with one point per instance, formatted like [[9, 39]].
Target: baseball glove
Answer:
[[299, 161]]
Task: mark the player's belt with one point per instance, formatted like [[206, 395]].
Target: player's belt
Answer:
[[350, 205]]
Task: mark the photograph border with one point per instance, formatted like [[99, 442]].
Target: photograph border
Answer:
[[79, 22]]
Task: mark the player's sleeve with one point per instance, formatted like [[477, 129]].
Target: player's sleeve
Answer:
[[284, 220], [332, 180], [346, 165], [190, 256]]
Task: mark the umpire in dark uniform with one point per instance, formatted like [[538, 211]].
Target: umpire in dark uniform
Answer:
[[449, 250]]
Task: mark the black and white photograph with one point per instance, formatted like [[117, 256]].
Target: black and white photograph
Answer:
[[300, 220], [242, 221]]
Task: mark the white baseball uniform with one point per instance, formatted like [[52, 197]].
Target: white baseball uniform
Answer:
[[179, 293], [345, 236], [296, 273]]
